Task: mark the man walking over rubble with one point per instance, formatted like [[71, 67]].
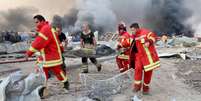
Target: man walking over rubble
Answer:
[[145, 57], [88, 43], [123, 48], [48, 44]]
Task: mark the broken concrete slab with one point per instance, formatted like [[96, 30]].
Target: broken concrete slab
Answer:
[[18, 87]]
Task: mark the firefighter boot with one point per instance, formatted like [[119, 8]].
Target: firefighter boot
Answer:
[[85, 68], [43, 92], [66, 85], [145, 90], [99, 67], [137, 87]]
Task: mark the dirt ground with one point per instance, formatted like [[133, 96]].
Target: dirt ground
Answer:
[[176, 79]]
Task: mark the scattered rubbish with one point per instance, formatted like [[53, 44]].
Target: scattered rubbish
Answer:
[[135, 98]]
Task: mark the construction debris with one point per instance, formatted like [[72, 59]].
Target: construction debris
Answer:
[[18, 87], [102, 89]]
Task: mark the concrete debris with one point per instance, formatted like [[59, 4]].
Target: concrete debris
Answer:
[[178, 42], [102, 89], [18, 47], [85, 99], [194, 54], [135, 98], [13, 48], [18, 87]]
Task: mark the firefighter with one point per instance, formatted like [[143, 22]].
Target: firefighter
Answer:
[[88, 42], [123, 48], [145, 57], [48, 44]]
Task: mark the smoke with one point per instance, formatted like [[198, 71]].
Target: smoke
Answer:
[[19, 19], [98, 13], [169, 16], [67, 21], [195, 19]]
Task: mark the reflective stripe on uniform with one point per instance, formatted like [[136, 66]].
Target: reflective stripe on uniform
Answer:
[[64, 77], [32, 49], [57, 43], [148, 54], [123, 56], [137, 82], [43, 36], [50, 64], [146, 84], [152, 66]]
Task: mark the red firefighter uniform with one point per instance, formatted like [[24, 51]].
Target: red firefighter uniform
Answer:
[[48, 44], [123, 48], [145, 58]]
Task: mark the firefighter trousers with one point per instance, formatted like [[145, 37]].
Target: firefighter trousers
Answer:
[[139, 72], [58, 72], [123, 64]]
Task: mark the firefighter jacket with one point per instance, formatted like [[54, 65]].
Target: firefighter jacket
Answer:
[[123, 45], [48, 44], [148, 55]]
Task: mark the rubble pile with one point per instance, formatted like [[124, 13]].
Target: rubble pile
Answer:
[[18, 87], [194, 54], [103, 88], [190, 71], [13, 48]]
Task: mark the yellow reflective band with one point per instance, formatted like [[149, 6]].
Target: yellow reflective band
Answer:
[[131, 40], [146, 84], [149, 34], [33, 49], [152, 38], [151, 68], [52, 64], [137, 82], [54, 61], [153, 64], [57, 43], [43, 36], [142, 40], [123, 56], [64, 77], [148, 54]]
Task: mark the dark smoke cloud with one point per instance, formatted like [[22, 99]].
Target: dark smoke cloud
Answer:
[[169, 16], [67, 21], [19, 19]]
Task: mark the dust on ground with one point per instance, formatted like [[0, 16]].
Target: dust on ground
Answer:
[[175, 79]]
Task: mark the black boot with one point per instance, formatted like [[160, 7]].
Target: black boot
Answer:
[[41, 92], [66, 85], [99, 67]]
